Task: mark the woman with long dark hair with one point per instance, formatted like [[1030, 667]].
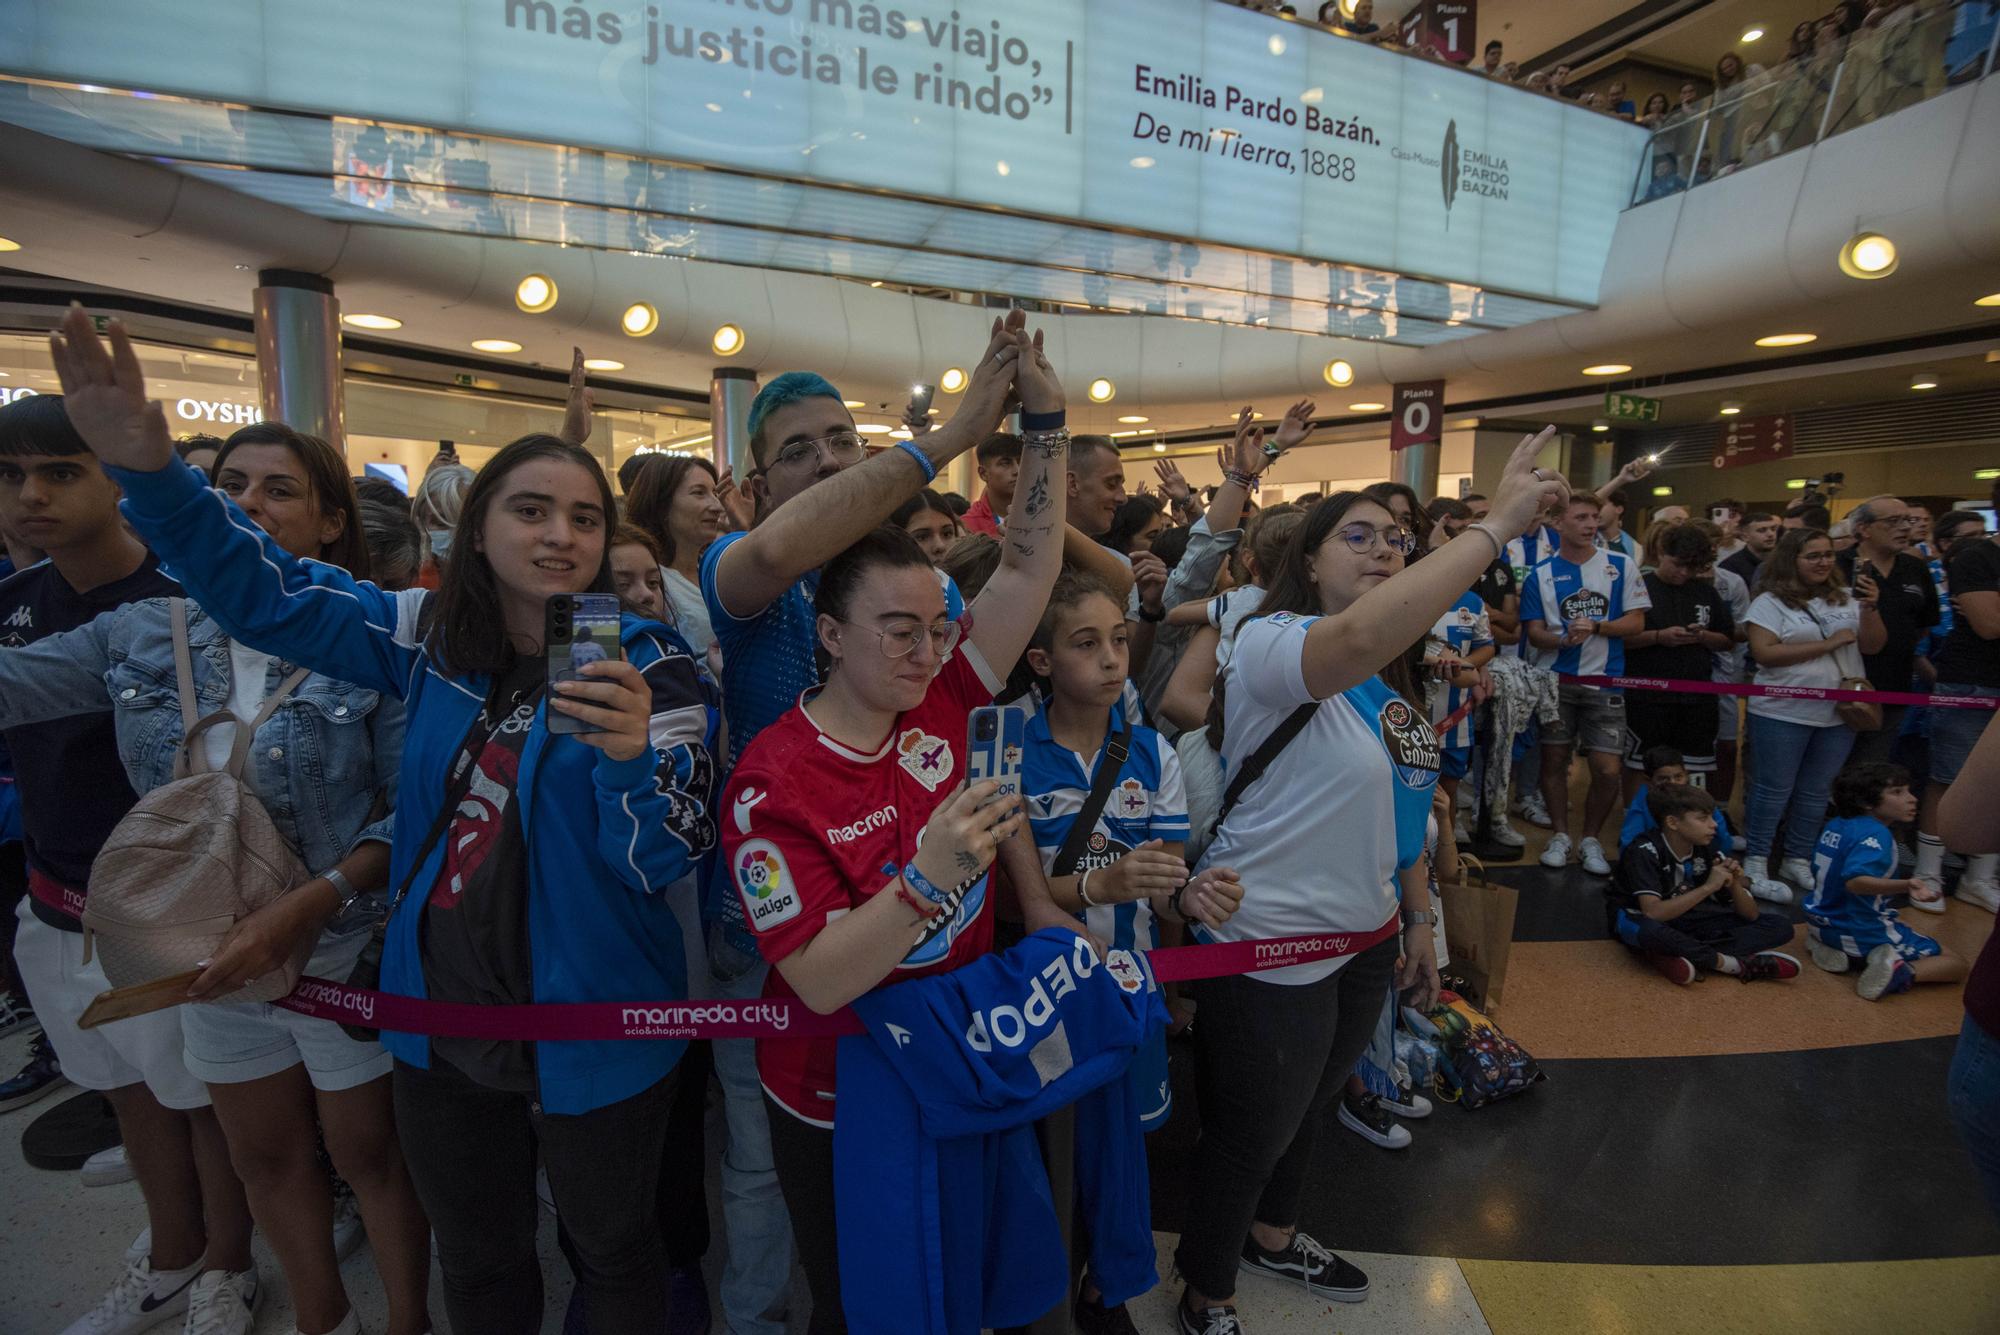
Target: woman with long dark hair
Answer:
[[527, 863], [677, 501], [1319, 839]]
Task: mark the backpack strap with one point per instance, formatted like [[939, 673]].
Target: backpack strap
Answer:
[[194, 727], [1109, 762], [1260, 759], [177, 618]]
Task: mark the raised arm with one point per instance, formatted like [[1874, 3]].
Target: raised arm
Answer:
[[57, 676], [818, 524], [1005, 613], [1351, 646]]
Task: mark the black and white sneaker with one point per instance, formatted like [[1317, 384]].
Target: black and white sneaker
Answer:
[[1305, 1262], [1366, 1117], [16, 1014], [1208, 1321], [41, 1076], [1406, 1102]]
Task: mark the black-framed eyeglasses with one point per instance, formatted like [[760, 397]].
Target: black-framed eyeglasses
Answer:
[[843, 447], [899, 639], [1361, 538]]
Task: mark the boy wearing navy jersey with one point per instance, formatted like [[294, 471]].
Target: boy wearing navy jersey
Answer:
[[1685, 906]]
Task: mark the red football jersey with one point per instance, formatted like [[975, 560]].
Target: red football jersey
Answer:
[[814, 828]]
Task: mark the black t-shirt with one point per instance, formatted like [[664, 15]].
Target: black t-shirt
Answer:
[[1967, 660], [1497, 584], [71, 782], [1695, 603], [474, 938], [1648, 867], [1744, 564], [1908, 604]]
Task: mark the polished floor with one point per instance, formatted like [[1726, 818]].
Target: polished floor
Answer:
[[1718, 1158]]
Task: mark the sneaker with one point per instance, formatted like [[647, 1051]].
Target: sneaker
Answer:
[[349, 1324], [1935, 905], [1593, 858], [1557, 853], [1831, 958], [347, 1228], [1983, 893], [16, 1013], [1798, 871], [1674, 968], [1505, 835], [1770, 891], [1885, 973], [1464, 800], [1208, 1321], [222, 1303], [1306, 1262], [1739, 843], [1094, 1318], [688, 1311], [1535, 810], [140, 1300], [1460, 832], [41, 1077], [1408, 1103], [1367, 1118], [1768, 965], [106, 1167]]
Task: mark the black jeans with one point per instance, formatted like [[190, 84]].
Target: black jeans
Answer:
[[1702, 933], [684, 1163], [803, 1156], [471, 1152], [1270, 1061]]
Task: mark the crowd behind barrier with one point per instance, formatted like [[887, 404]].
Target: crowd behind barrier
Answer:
[[835, 791]]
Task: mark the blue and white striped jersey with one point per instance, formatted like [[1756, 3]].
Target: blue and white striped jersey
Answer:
[[1604, 588]]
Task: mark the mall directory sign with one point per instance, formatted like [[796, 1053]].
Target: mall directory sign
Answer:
[[1191, 119]]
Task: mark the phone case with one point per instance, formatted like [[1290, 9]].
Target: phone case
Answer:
[[577, 629], [995, 735]]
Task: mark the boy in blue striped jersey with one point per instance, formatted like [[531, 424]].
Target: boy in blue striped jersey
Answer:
[[1460, 644]]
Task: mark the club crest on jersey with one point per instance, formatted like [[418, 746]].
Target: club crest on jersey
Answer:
[[927, 758], [1125, 972], [1131, 801], [770, 895], [1411, 743], [1467, 618]]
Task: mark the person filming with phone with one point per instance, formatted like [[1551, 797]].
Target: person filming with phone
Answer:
[[527, 866]]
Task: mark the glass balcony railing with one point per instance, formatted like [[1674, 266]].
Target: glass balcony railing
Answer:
[[1918, 52]]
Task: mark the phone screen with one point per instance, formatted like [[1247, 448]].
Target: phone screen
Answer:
[[578, 629]]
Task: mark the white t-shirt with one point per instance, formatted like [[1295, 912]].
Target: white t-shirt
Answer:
[[1794, 625], [1729, 663], [690, 612], [247, 671], [1227, 612]]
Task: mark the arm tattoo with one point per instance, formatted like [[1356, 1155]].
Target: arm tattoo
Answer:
[[967, 863], [1038, 497]]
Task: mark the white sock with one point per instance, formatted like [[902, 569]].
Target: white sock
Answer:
[[1727, 964], [1930, 857], [1980, 870]]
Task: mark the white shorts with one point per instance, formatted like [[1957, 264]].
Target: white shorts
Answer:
[[145, 1048], [1728, 718], [231, 1042]]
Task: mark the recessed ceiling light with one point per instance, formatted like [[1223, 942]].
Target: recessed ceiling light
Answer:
[[1338, 373], [1003, 168], [1752, 33], [872, 429], [1142, 162], [1600, 427], [1135, 420], [1795, 484], [1730, 409], [1924, 380], [1990, 299], [602, 364], [535, 293], [1159, 447], [1366, 407], [953, 380], [1785, 340], [728, 340], [640, 319], [1868, 255], [852, 403], [361, 321], [1986, 474], [1466, 423], [1663, 491], [1276, 45], [8, 243], [1102, 390], [902, 433], [496, 345], [1607, 368], [876, 283]]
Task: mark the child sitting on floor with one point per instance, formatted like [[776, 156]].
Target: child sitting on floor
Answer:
[[1685, 906], [1663, 764], [1849, 914]]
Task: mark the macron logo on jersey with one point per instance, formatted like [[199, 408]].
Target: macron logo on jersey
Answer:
[[868, 824], [22, 616]]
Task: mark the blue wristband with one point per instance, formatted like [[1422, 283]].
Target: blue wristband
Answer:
[[910, 448], [918, 882], [1044, 421]]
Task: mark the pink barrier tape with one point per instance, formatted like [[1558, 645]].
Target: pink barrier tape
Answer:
[[784, 1017], [1786, 692]]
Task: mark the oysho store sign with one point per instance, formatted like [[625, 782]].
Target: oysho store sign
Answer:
[[217, 412], [1164, 116]]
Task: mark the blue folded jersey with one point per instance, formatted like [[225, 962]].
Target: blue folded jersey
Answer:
[[945, 1220]]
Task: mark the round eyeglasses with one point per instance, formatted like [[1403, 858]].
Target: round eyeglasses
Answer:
[[1361, 539], [899, 639]]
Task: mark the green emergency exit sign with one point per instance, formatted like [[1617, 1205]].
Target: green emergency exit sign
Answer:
[[1630, 408]]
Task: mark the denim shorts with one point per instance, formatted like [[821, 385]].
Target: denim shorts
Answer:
[[232, 1042], [1594, 717], [1954, 732]]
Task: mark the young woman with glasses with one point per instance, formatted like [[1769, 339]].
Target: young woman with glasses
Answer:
[[1318, 841]]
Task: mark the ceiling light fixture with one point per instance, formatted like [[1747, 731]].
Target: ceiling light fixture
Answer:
[[1600, 427], [872, 429], [852, 403], [953, 380], [1795, 484], [535, 293], [1136, 420], [1102, 390], [1986, 474], [1924, 380], [640, 319], [1339, 374], [8, 244], [1607, 368], [1868, 255], [496, 345], [364, 321], [728, 340], [1159, 447], [1990, 299], [1730, 408], [1752, 33], [602, 364], [1785, 340], [1366, 407], [1142, 162], [1663, 491]]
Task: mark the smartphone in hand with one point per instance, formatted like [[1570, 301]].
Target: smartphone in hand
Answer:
[[578, 629], [995, 737]]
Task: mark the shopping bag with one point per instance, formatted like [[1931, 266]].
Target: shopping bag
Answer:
[[1479, 932]]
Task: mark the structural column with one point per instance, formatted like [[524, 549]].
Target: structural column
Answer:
[[730, 390], [1416, 467], [298, 354]]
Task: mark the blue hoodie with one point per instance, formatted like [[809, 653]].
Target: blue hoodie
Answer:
[[942, 1202], [603, 836]]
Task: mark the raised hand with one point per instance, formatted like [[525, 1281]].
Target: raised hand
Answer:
[[1172, 485], [741, 510], [916, 421], [104, 395], [992, 380], [1296, 426], [1525, 490], [1149, 572], [614, 698], [1040, 387], [1245, 454], [962, 836], [579, 404]]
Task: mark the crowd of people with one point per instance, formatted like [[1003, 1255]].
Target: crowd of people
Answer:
[[1237, 723]]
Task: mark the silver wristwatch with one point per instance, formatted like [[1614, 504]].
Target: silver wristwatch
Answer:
[[342, 887], [1428, 917]]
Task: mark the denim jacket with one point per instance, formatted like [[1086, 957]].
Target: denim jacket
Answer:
[[317, 763]]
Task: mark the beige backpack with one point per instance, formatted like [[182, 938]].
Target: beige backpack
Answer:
[[192, 856]]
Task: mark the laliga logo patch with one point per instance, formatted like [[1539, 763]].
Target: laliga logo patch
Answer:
[[927, 758], [770, 895], [1125, 971]]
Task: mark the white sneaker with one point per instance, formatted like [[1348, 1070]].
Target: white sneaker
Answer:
[[1557, 853], [106, 1167], [1507, 836], [1459, 833], [1535, 810], [1463, 801], [1739, 843], [1983, 893], [1830, 958], [1770, 891], [1593, 858], [1798, 871], [221, 1303], [1928, 905], [347, 1231], [139, 1301]]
